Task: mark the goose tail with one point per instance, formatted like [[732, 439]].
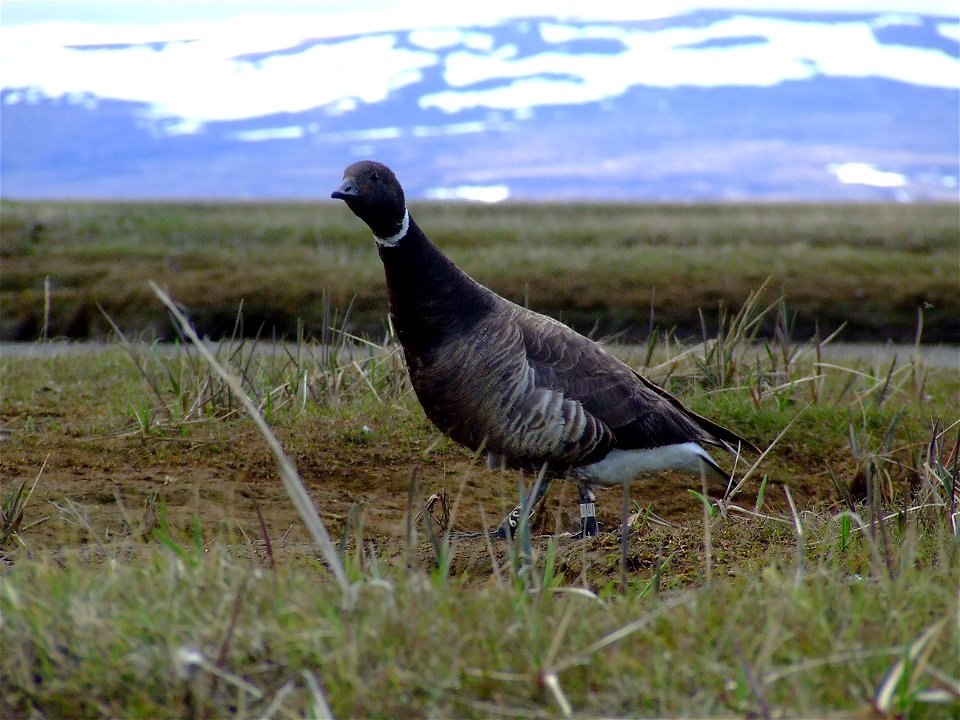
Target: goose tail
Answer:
[[719, 435]]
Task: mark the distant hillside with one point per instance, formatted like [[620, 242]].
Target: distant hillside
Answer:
[[605, 268], [711, 105]]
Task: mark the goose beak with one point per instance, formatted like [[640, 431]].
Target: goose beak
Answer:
[[347, 190]]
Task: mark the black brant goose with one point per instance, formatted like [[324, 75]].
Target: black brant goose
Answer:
[[524, 388]]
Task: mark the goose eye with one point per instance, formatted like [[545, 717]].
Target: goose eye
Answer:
[[375, 177]]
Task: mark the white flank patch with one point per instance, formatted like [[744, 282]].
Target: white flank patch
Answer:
[[854, 173], [623, 466]]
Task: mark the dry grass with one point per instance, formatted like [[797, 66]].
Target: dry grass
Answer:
[[216, 634]]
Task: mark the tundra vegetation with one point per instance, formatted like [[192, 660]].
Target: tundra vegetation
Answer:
[[603, 266], [155, 565]]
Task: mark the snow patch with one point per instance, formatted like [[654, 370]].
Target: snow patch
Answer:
[[220, 86], [855, 173], [890, 19], [291, 132], [674, 56], [253, 65], [949, 30], [473, 193], [441, 38], [463, 128]]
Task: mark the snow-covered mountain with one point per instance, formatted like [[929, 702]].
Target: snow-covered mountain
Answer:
[[716, 104]]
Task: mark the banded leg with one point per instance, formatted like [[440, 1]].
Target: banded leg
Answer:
[[511, 522], [588, 512]]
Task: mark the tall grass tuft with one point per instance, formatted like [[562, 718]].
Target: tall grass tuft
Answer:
[[288, 474], [332, 370]]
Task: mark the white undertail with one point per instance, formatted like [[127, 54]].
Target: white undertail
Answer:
[[622, 466]]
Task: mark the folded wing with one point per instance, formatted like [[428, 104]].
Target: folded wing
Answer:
[[638, 413]]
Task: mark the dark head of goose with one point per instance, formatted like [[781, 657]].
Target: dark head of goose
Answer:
[[373, 193]]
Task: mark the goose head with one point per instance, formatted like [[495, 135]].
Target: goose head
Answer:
[[373, 193]]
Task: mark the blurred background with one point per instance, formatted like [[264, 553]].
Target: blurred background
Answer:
[[630, 168], [501, 100]]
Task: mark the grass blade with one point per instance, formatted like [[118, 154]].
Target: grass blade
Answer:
[[288, 473]]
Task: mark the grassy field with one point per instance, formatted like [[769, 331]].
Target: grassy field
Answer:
[[615, 268], [153, 565]]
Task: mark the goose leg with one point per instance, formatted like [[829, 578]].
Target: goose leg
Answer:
[[511, 522], [588, 512]]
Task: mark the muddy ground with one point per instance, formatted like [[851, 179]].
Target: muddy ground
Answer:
[[102, 494], [107, 486]]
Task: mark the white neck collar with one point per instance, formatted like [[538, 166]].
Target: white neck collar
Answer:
[[397, 236]]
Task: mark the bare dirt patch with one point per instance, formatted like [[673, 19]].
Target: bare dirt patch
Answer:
[[116, 472], [103, 491]]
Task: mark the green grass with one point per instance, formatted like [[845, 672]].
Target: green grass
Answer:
[[158, 568], [156, 635], [872, 266]]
